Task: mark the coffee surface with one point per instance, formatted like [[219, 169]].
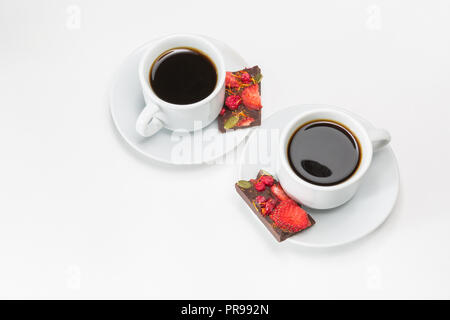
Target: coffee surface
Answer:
[[183, 76], [324, 153]]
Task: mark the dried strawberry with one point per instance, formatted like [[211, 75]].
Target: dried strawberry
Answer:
[[290, 217], [222, 112], [260, 199], [259, 186], [245, 77], [279, 192], [268, 180], [251, 97], [233, 102], [231, 81], [245, 122]]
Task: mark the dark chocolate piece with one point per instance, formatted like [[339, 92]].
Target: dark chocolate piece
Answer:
[[255, 73], [248, 192]]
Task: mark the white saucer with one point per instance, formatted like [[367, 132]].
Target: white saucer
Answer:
[[202, 146], [368, 209]]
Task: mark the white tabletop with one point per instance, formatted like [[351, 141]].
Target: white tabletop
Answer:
[[84, 216]]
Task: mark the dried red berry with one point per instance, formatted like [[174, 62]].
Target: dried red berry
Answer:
[[259, 186], [231, 81], [233, 102], [268, 180], [251, 97], [245, 122], [260, 199], [222, 112], [245, 77], [290, 217], [270, 205], [278, 191]]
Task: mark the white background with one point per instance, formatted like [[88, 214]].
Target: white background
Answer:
[[83, 216]]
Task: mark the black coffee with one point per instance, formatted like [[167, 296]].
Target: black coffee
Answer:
[[183, 76], [324, 152]]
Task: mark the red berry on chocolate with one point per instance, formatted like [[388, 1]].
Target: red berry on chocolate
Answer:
[[233, 102], [222, 112], [260, 199], [245, 122], [245, 77], [279, 192], [290, 217], [251, 97], [270, 205], [231, 80], [268, 180], [259, 186]]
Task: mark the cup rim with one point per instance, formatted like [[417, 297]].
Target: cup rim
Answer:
[[362, 168], [219, 64]]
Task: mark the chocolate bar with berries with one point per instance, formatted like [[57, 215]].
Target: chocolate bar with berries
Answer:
[[277, 211], [242, 107]]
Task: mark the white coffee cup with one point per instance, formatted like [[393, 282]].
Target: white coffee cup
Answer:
[[159, 113], [327, 197]]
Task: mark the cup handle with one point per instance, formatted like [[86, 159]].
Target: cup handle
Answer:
[[379, 138], [147, 123]]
